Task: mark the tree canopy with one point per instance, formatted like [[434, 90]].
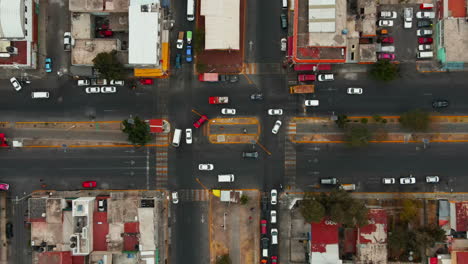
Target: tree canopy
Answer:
[[384, 70], [357, 135], [108, 65], [137, 130]]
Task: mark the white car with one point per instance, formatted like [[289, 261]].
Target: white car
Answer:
[[273, 216], [228, 111], [15, 84], [274, 236], [408, 17], [423, 32], [83, 82], [385, 23], [408, 180], [424, 47], [92, 90], [432, 179], [180, 43], [325, 77], [388, 180], [175, 198], [276, 127], [274, 196], [108, 89], [425, 14], [205, 167], [284, 44], [188, 136], [275, 111], [388, 14], [117, 82], [354, 91], [311, 102]]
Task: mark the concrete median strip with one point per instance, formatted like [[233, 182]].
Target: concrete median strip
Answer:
[[229, 130]]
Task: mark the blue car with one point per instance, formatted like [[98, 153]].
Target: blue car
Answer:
[[178, 61], [188, 53], [48, 65]]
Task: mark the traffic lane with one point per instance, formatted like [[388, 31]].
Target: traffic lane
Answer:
[[64, 169], [269, 31], [366, 167]]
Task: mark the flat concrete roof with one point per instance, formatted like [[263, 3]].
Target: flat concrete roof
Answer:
[[98, 5], [81, 26], [146, 217], [455, 31], [222, 24], [367, 53], [368, 23], [85, 50], [54, 211]]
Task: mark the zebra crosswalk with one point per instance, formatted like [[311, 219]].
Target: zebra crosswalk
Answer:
[[162, 172], [262, 68], [194, 195], [290, 156]]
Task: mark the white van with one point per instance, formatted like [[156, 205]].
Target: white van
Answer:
[[35, 95], [177, 136], [190, 10], [284, 3], [425, 55], [226, 178]]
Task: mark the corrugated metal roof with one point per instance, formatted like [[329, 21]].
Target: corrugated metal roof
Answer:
[[322, 16], [221, 24], [11, 22]]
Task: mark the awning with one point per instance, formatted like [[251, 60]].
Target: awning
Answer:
[[156, 125]]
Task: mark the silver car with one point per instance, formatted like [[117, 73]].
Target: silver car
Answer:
[[354, 91], [205, 167], [15, 84], [408, 180], [92, 90], [276, 127], [275, 111], [108, 89], [432, 179]]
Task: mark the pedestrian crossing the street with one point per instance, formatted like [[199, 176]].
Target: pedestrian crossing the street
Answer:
[[162, 173], [194, 195]]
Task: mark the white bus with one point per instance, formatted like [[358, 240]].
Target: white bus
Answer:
[[176, 139], [190, 10]]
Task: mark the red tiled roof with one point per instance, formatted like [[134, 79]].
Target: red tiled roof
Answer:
[[78, 260], [462, 257], [457, 8], [156, 125], [323, 233], [378, 223], [130, 242], [21, 57], [62, 257], [132, 227], [461, 209], [350, 238], [100, 231]]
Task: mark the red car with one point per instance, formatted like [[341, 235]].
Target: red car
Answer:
[[106, 33], [386, 56], [386, 40], [263, 226], [88, 184], [274, 259], [425, 40], [146, 81], [4, 186], [200, 121], [3, 142]]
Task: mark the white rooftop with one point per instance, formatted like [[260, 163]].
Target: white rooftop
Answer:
[[322, 16], [11, 19], [221, 24], [144, 38]]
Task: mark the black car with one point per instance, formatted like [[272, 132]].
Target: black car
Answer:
[[440, 103], [424, 23], [223, 78], [284, 21], [256, 96], [9, 230], [234, 78]]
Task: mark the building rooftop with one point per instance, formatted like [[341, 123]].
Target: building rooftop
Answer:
[[462, 257], [100, 231], [456, 8], [63, 257], [372, 238], [367, 53], [324, 242], [322, 15], [54, 211], [37, 209], [147, 222], [86, 50], [455, 37], [222, 24], [81, 26], [98, 5], [461, 211], [11, 19]]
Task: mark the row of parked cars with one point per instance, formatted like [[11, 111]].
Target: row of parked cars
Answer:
[[265, 240], [385, 48], [410, 180], [424, 32]]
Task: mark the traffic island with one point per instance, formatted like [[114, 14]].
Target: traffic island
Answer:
[[234, 228], [233, 130]]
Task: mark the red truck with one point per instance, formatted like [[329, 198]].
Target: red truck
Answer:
[[301, 89], [312, 67], [218, 100], [208, 77], [306, 77], [3, 142]]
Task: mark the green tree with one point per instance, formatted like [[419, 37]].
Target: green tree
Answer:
[[224, 259], [137, 130], [357, 135], [244, 199], [409, 210], [416, 120], [399, 239], [359, 213], [384, 71], [338, 214], [312, 210], [108, 65], [199, 40], [426, 236], [341, 121]]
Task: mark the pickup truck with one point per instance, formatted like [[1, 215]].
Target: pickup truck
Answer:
[[218, 100], [68, 41], [98, 82], [208, 77]]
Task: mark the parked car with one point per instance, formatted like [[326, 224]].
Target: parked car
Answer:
[[265, 241], [200, 121], [88, 184], [408, 17], [311, 102], [284, 21], [423, 32], [83, 82], [188, 53], [424, 47], [274, 196], [48, 65], [388, 180], [228, 111], [188, 136], [425, 40], [425, 14], [274, 259], [102, 205], [234, 78], [175, 198], [105, 33], [385, 23], [15, 84], [263, 226], [275, 111], [92, 90], [108, 89], [325, 77], [284, 44], [253, 154], [273, 216], [386, 56], [424, 23], [146, 81], [354, 90], [9, 230], [274, 236], [388, 40], [276, 127], [256, 96], [178, 61], [408, 180], [426, 6], [440, 103], [4, 186], [117, 82], [432, 179], [205, 167], [388, 14]]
